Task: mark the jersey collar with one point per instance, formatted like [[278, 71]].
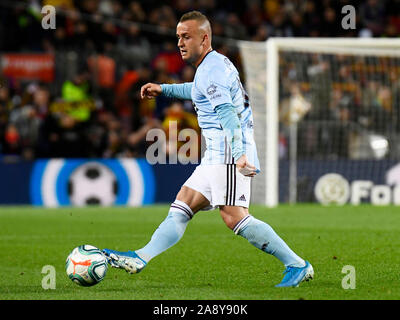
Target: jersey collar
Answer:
[[205, 57]]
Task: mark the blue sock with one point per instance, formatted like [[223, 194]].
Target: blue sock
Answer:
[[262, 236], [169, 232]]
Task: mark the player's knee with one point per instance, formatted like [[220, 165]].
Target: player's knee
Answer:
[[232, 215], [194, 199], [229, 221]]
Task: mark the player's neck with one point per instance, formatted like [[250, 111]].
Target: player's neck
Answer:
[[200, 60]]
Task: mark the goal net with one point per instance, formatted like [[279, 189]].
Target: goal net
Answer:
[[327, 119]]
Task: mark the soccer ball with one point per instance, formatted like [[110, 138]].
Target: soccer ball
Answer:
[[92, 183], [86, 265]]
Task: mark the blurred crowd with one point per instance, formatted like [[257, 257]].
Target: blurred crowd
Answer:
[[351, 97], [105, 50]]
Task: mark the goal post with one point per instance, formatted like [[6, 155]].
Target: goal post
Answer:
[[271, 124], [281, 75]]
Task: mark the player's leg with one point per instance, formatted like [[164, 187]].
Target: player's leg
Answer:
[[263, 237], [259, 234], [231, 190], [170, 231]]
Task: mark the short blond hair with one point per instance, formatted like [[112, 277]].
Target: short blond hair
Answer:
[[201, 19], [194, 15]]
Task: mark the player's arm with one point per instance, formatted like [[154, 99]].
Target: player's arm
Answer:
[[178, 90], [216, 87], [230, 123], [216, 84]]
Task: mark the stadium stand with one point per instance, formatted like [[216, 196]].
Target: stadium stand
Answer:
[[105, 50]]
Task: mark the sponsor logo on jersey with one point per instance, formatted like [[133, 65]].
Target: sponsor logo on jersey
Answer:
[[211, 89]]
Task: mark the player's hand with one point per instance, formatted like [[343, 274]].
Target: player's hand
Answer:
[[246, 168], [150, 90]]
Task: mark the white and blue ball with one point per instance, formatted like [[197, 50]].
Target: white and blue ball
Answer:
[[86, 265]]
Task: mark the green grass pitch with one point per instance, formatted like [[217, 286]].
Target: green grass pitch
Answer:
[[209, 262]]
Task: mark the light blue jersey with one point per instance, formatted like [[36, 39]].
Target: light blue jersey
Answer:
[[217, 82]]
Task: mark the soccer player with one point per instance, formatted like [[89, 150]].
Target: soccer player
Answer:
[[230, 161]]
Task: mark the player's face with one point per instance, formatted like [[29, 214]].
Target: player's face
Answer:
[[190, 40]]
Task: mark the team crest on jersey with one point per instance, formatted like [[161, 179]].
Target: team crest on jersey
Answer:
[[211, 89]]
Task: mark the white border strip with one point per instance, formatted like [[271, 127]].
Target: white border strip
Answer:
[[49, 180], [135, 177]]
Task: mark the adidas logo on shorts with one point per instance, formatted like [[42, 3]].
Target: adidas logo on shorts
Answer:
[[242, 198]]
